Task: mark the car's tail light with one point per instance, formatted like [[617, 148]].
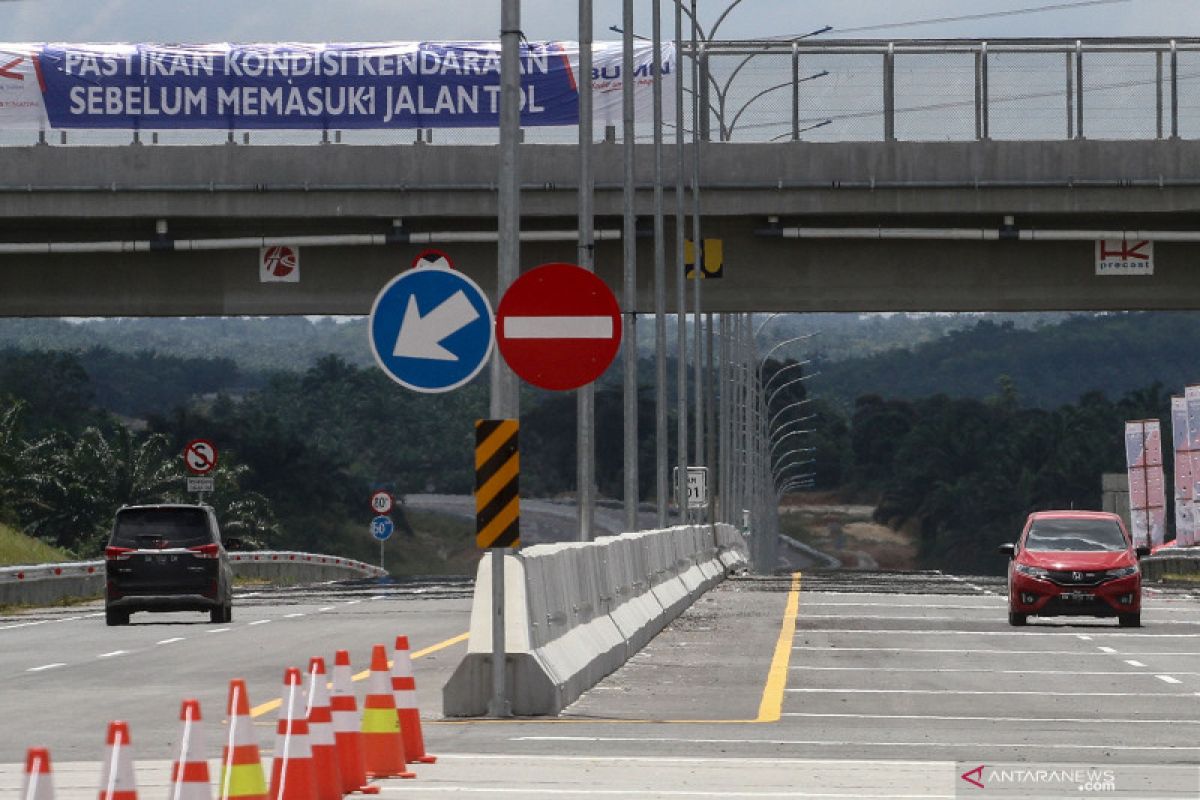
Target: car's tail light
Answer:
[[206, 550], [212, 589], [118, 553]]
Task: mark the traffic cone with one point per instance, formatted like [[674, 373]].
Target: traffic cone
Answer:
[[189, 773], [241, 765], [404, 689], [116, 779], [320, 734], [344, 708], [292, 774], [38, 785], [383, 746]]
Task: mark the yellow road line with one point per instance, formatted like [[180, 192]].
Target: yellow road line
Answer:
[[271, 705], [770, 708]]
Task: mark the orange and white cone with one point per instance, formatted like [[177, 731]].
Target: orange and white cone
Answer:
[[292, 773], [189, 773], [404, 689], [116, 778], [242, 775], [38, 785], [343, 706], [320, 734], [383, 746]]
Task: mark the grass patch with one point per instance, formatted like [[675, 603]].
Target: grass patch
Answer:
[[17, 548]]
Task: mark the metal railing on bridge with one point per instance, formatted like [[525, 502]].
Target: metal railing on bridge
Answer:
[[854, 90]]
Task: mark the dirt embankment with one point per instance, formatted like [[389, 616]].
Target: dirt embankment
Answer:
[[846, 531]]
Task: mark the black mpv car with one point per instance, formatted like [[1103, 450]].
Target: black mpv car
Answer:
[[166, 558]]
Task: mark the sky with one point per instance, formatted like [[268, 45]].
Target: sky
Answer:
[[408, 20]]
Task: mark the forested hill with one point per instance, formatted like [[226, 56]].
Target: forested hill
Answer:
[[1048, 366]]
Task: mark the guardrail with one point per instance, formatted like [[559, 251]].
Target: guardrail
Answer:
[[574, 612], [51, 583], [1172, 562]]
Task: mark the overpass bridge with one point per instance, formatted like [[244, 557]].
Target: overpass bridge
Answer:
[[951, 176]]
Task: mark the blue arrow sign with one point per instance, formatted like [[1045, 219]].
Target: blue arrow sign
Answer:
[[382, 527], [431, 329]]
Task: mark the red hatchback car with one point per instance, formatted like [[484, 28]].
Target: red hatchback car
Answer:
[[1074, 563]]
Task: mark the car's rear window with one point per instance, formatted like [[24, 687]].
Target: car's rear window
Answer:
[[161, 527], [1075, 534]]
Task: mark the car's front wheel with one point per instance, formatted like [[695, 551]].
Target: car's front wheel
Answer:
[[1130, 620], [1017, 619], [116, 617]]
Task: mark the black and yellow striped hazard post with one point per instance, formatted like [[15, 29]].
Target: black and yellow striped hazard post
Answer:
[[497, 527], [497, 469]]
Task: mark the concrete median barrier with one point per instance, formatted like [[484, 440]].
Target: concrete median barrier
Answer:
[[575, 612], [45, 584], [1179, 564]]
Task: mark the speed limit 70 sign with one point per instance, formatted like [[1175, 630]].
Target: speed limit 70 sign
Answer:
[[382, 502]]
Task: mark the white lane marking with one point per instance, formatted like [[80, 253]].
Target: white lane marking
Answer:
[[217, 630], [1134, 663], [960, 651], [1107, 650], [249, 594], [1083, 638], [1168, 679], [947, 718], [97, 614], [292, 616], [46, 666], [113, 653], [1070, 674], [980, 606], [980, 692], [591, 327], [259, 622], [852, 743], [379, 597], [353, 602], [532, 791], [325, 608], [26, 624], [1042, 632], [169, 641]]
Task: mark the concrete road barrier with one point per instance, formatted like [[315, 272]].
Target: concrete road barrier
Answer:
[[45, 584], [1175, 562], [575, 612]]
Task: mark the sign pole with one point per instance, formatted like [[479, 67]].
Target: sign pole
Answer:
[[505, 398], [629, 240], [661, 430], [681, 403]]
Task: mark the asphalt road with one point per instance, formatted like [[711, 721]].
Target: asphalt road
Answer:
[[880, 685]]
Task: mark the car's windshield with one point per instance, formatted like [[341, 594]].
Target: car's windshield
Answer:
[[161, 527], [1075, 534]]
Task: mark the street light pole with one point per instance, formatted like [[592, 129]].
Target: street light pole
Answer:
[[661, 445], [681, 395], [629, 235], [585, 449]]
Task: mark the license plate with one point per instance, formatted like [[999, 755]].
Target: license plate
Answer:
[[1079, 597]]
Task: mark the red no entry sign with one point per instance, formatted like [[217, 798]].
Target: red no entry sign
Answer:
[[200, 456], [558, 326]]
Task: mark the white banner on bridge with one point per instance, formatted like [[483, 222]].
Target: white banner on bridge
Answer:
[[1147, 496], [314, 86]]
